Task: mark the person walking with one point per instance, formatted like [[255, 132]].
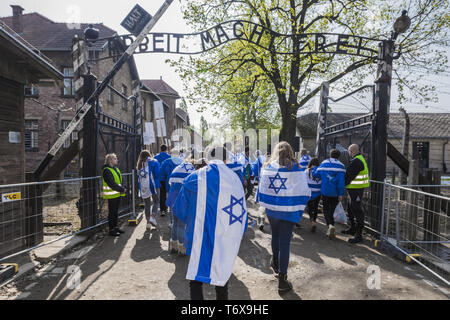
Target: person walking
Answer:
[[305, 158], [332, 173], [315, 186], [112, 191], [356, 181], [175, 182], [283, 190], [161, 157], [149, 185], [212, 204]]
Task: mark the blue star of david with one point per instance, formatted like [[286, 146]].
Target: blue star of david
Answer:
[[282, 185], [142, 173], [187, 167], [229, 210]]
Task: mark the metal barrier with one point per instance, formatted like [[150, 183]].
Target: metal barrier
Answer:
[[38, 213], [417, 225]]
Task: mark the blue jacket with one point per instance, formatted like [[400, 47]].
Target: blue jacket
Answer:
[[161, 157], [167, 167], [332, 174]]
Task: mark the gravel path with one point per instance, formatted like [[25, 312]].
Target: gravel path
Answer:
[[137, 266]]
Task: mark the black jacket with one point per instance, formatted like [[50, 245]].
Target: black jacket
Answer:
[[355, 167], [109, 179]]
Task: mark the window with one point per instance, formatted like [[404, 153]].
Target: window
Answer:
[[125, 93], [31, 91], [69, 85], [31, 135], [110, 92], [74, 136]]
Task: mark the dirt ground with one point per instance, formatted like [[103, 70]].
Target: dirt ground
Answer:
[[138, 266]]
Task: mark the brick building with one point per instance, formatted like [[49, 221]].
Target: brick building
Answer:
[[154, 90], [48, 108], [19, 66]]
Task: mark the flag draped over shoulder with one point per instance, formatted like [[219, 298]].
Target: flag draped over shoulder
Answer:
[[176, 181], [283, 190], [216, 216]]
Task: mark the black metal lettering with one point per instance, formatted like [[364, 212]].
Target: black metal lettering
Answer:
[[143, 47], [359, 46], [127, 38], [320, 45], [340, 43], [157, 39], [206, 37], [221, 34], [235, 30], [259, 33], [178, 37]]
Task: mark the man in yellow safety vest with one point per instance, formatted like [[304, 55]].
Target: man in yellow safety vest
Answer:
[[356, 181], [112, 191]]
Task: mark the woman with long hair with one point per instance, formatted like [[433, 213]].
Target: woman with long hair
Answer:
[[315, 185], [283, 190], [149, 185]]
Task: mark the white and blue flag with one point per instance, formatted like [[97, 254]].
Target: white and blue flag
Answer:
[[304, 161], [283, 190], [212, 204], [176, 181]]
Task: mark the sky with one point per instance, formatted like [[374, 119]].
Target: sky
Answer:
[[153, 66]]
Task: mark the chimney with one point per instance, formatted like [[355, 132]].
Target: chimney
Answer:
[[17, 20]]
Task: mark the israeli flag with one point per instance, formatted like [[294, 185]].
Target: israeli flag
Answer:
[[220, 222], [283, 190], [176, 181], [304, 161]]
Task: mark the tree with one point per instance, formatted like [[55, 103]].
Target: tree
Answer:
[[292, 75]]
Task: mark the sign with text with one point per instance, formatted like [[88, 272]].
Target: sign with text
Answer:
[[11, 197], [310, 43], [161, 127], [149, 134], [159, 109], [136, 20]]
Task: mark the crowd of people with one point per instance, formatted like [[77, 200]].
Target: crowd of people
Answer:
[[206, 200]]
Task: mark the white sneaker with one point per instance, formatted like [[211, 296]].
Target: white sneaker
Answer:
[[149, 226], [153, 221], [173, 246], [331, 233]]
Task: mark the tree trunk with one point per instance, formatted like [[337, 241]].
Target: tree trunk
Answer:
[[288, 126]]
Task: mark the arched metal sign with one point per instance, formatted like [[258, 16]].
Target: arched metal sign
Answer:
[[241, 30]]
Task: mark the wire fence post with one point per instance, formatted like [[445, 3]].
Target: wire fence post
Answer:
[[383, 210], [397, 221], [388, 213], [134, 195]]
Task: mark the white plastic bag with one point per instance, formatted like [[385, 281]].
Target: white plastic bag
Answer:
[[339, 214]]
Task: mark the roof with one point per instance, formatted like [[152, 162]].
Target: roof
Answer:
[[32, 62], [46, 34], [160, 87], [422, 125], [182, 114]]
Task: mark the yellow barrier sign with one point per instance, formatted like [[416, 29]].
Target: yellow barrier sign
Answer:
[[10, 197]]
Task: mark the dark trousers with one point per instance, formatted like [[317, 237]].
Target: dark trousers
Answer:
[[313, 208], [163, 196], [248, 189], [196, 288], [281, 241], [329, 205], [355, 210], [113, 213]]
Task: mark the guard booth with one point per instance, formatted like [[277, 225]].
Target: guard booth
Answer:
[[20, 66]]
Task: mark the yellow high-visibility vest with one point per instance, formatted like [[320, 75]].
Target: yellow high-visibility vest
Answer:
[[107, 192], [362, 179]]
